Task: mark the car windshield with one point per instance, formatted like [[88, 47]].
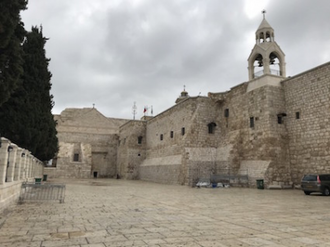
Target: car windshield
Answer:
[[309, 178]]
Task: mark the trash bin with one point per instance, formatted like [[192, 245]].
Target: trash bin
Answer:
[[37, 180], [260, 184], [45, 177]]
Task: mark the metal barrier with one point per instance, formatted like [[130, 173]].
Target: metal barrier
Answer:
[[230, 179], [42, 192]]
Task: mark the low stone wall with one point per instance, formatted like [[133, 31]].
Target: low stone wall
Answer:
[[9, 193], [17, 165]]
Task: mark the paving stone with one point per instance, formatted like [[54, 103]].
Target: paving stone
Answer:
[[136, 213]]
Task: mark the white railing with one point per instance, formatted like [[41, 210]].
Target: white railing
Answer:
[[272, 72]]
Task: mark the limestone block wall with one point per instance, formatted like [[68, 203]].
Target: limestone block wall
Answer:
[[166, 136], [307, 97], [104, 155], [132, 149], [17, 165], [255, 169], [87, 120], [202, 163], [90, 136], [233, 124], [173, 120], [161, 170], [267, 140], [252, 131], [195, 150], [66, 167]]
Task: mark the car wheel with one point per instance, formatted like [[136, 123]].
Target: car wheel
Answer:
[[306, 192], [326, 191]]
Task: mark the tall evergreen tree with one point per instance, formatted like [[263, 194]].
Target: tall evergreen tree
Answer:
[[28, 120], [11, 37]]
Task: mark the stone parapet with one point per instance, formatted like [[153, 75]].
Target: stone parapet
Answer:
[[17, 165]]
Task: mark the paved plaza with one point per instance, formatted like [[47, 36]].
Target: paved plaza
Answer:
[[106, 212]]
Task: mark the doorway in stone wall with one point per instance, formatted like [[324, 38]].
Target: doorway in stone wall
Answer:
[[95, 174]]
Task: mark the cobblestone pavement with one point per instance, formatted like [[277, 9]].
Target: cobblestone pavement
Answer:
[[106, 212]]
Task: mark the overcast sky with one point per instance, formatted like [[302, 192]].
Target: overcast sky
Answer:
[[114, 53]]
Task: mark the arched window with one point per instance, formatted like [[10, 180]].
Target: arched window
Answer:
[[211, 127]]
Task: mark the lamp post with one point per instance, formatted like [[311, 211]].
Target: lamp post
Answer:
[[10, 148]]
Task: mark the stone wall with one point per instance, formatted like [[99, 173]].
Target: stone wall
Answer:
[[132, 149], [88, 144], [266, 142], [166, 136], [66, 167], [17, 165], [198, 153], [165, 169], [309, 95]]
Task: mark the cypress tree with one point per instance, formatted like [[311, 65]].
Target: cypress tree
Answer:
[[11, 37], [27, 114]]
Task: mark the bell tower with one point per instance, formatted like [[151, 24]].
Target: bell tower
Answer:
[[266, 57]]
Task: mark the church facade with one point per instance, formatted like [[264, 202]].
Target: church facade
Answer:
[[271, 127]]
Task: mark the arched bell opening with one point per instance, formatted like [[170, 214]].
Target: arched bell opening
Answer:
[[258, 66], [261, 37], [268, 37], [274, 64]]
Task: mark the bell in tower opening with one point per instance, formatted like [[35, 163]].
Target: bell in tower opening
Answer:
[[266, 57]]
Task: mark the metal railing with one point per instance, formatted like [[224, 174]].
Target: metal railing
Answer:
[[224, 178], [42, 192]]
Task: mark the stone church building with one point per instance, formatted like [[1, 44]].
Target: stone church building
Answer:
[[271, 127]]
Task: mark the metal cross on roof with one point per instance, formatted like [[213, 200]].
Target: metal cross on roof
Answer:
[[264, 13]]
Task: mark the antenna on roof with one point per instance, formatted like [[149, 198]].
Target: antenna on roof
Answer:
[[134, 110], [93, 105]]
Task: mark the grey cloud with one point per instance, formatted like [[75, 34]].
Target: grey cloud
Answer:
[[113, 53]]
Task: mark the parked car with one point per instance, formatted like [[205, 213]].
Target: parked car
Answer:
[[316, 183]]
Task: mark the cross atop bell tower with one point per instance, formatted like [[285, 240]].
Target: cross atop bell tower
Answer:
[[266, 57]]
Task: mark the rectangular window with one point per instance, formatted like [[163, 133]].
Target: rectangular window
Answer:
[[161, 137], [251, 122], [76, 157], [140, 140], [172, 134], [226, 112], [183, 131], [297, 115], [279, 119]]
